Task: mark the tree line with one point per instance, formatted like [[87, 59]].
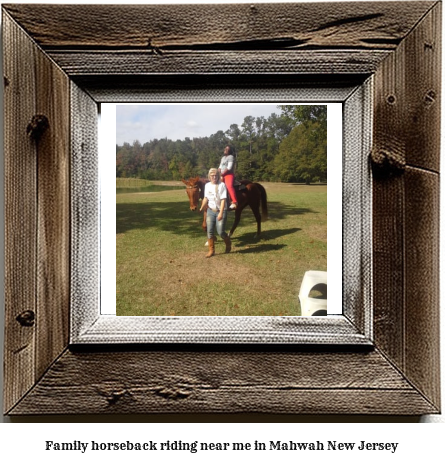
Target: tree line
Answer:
[[286, 147]]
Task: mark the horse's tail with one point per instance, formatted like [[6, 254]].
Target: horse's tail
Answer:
[[264, 213]]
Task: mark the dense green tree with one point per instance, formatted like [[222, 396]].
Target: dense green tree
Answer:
[[302, 155], [304, 113], [233, 134]]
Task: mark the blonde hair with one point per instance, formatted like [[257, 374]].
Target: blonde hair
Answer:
[[214, 171]]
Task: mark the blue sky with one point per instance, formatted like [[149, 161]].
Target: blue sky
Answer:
[[155, 121]]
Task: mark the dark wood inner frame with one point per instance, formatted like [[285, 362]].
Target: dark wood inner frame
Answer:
[[96, 52]]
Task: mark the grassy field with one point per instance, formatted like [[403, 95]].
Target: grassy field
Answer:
[[132, 182], [161, 267], [132, 185]]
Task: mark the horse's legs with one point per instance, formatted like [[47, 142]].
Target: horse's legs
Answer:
[[204, 225], [204, 220], [256, 211], [237, 219]]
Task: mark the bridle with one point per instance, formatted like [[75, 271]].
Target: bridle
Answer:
[[193, 194], [194, 189]]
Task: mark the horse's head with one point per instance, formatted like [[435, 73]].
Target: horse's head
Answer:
[[193, 190]]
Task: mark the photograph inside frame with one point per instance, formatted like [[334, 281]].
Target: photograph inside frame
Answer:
[[221, 209]]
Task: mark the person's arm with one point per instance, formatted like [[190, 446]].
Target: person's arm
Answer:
[[203, 203], [220, 214], [223, 197], [205, 198], [229, 165]]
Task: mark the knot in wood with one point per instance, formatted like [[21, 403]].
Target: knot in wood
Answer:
[[387, 163], [172, 393], [26, 318], [37, 126], [114, 397]]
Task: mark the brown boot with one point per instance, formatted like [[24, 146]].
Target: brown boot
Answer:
[[211, 242], [228, 243]]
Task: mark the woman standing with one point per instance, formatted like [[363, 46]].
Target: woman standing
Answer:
[[227, 170], [215, 197]]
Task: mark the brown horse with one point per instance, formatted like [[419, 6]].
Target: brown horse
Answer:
[[247, 193], [195, 191]]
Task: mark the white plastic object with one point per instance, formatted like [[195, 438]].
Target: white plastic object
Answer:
[[313, 306]]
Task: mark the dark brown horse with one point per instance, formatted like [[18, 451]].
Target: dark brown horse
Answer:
[[247, 193]]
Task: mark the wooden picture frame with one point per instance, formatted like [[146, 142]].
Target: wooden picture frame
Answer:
[[56, 72]]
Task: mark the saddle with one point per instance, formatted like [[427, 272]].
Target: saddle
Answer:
[[238, 186]]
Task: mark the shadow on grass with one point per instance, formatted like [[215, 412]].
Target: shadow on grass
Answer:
[[176, 217], [257, 248], [268, 235], [279, 211], [166, 216]]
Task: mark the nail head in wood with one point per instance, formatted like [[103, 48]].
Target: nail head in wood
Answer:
[[430, 97]]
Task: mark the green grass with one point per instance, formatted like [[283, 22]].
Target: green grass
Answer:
[[134, 185], [162, 269], [132, 182]]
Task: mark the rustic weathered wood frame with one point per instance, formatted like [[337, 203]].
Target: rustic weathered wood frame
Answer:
[[69, 60]]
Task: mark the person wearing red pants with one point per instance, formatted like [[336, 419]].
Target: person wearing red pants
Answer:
[[227, 170]]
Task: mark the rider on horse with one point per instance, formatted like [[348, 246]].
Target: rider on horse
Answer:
[[227, 170]]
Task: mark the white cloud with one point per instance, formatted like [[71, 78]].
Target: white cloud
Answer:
[[176, 121], [192, 124]]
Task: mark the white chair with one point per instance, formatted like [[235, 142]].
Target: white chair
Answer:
[[314, 281]]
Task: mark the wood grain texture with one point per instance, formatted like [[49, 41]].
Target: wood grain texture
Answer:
[[407, 114], [53, 194], [20, 213], [406, 206], [222, 382], [335, 330], [422, 325], [159, 27], [78, 63], [38, 213], [423, 92], [212, 39], [85, 211], [388, 269], [421, 213], [228, 88], [389, 145], [388, 201], [357, 209]]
